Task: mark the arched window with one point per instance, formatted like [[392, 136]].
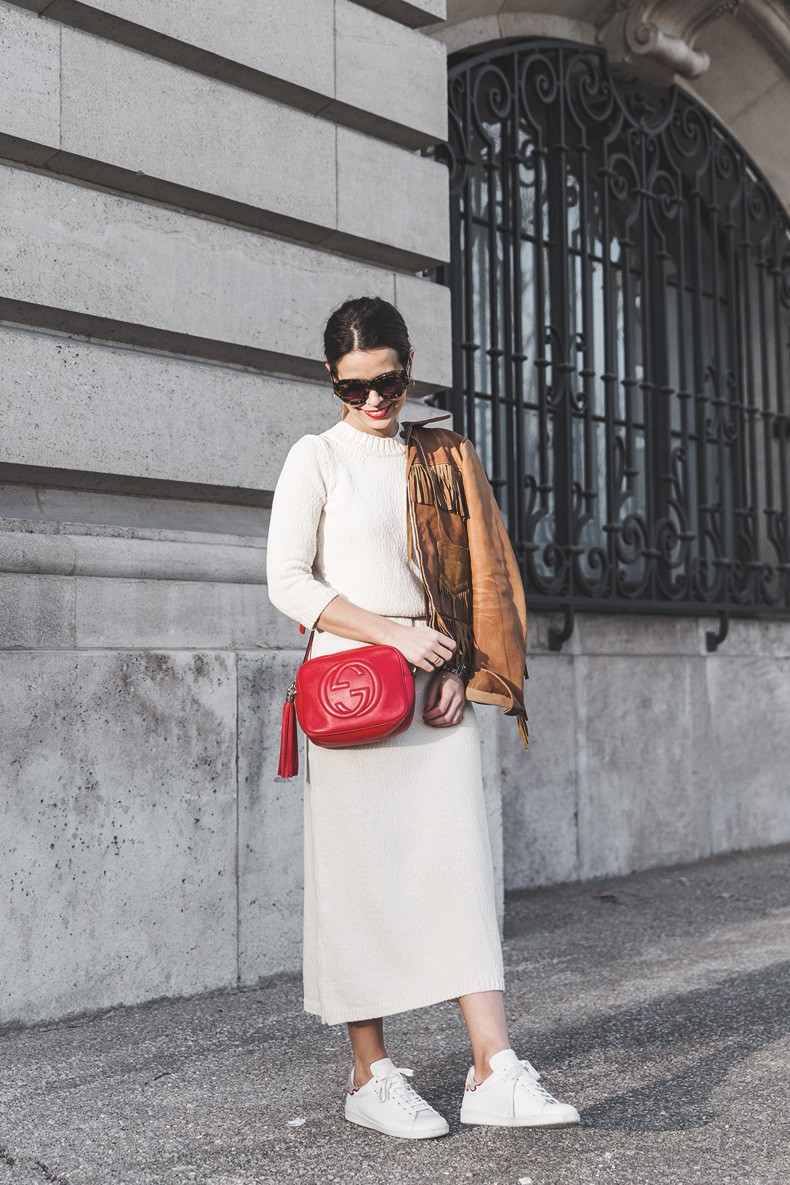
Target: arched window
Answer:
[[620, 297]]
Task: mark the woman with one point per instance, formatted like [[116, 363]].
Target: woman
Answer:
[[399, 906]]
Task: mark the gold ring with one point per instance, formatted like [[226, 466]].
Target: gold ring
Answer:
[[437, 662]]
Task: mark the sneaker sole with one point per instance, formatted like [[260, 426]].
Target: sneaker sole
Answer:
[[363, 1121], [517, 1120]]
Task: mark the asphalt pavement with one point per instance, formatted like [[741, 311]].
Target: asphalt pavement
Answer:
[[657, 1003]]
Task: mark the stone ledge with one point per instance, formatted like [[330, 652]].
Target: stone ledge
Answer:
[[77, 530], [105, 114], [172, 281], [624, 634], [65, 554], [410, 12], [76, 613], [162, 425], [294, 64]]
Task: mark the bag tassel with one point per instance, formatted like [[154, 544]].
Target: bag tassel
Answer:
[[289, 742], [523, 730]]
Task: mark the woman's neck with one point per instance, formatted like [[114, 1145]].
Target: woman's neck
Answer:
[[371, 431]]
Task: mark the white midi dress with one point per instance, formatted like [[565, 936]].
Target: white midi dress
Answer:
[[399, 896]]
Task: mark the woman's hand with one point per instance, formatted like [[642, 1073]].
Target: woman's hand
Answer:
[[419, 644], [445, 701], [422, 646]]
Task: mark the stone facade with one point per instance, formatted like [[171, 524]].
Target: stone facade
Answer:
[[185, 197]]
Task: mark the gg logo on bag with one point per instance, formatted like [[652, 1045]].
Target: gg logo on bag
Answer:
[[351, 689]]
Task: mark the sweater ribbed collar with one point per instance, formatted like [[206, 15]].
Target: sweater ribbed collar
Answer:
[[382, 446]]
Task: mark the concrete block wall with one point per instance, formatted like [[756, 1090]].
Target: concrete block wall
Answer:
[[184, 196], [186, 191], [645, 748]]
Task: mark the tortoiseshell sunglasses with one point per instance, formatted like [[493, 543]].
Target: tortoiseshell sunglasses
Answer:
[[389, 386]]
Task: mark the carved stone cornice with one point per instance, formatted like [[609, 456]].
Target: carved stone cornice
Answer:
[[770, 24], [664, 32]]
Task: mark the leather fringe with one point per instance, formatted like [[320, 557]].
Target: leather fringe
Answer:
[[460, 602], [438, 485], [523, 731], [409, 541], [458, 629]]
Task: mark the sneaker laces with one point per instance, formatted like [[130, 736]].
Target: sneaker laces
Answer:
[[395, 1085], [525, 1074]]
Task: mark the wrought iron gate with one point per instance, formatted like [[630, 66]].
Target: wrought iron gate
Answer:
[[620, 280]]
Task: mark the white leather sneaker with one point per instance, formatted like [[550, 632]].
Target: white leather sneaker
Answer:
[[389, 1104], [512, 1096]]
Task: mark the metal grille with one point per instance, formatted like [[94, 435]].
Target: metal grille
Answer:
[[620, 280]]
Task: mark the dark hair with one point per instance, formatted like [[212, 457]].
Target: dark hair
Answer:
[[366, 323]]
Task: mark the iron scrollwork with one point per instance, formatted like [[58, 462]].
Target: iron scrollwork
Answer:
[[620, 281]]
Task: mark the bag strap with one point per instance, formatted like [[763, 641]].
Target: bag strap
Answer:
[[291, 692]]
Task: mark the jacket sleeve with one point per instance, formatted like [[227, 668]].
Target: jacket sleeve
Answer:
[[499, 612], [299, 498]]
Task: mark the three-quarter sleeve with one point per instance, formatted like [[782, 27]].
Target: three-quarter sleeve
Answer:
[[299, 498]]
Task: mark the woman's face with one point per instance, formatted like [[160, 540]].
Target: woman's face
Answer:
[[376, 415]]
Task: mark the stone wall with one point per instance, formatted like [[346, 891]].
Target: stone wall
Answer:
[[184, 197], [646, 749], [186, 192]]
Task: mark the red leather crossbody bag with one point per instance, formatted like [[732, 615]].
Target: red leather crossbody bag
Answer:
[[351, 698]]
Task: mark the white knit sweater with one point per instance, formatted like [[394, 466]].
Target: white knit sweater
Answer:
[[338, 527]]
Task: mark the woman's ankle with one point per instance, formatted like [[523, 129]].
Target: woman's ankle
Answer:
[[483, 1066], [362, 1072]]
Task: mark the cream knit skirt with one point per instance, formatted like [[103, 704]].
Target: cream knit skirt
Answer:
[[399, 899]]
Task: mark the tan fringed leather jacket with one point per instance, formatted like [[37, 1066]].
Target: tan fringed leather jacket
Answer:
[[473, 587]]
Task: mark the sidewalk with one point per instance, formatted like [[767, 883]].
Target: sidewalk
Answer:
[[662, 1013]]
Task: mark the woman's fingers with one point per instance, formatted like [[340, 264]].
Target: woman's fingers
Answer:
[[445, 647], [446, 705], [424, 647], [432, 695], [442, 649], [426, 664], [444, 721], [436, 643]]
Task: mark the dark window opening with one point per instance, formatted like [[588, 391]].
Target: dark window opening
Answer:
[[620, 280]]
